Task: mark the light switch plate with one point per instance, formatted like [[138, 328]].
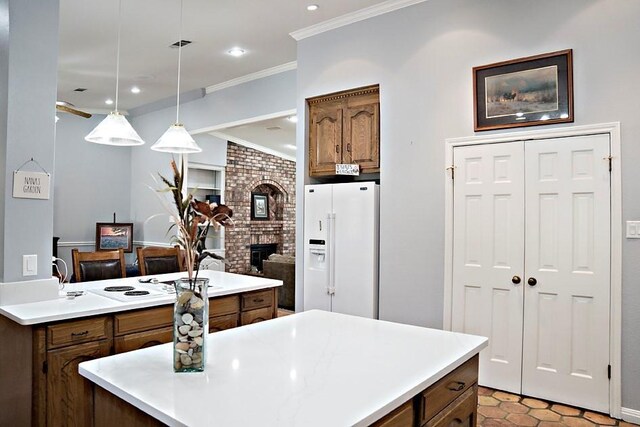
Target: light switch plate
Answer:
[[29, 265], [633, 229]]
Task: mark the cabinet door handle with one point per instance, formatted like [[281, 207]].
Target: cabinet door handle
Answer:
[[349, 148], [456, 386], [79, 334], [532, 281], [337, 148]]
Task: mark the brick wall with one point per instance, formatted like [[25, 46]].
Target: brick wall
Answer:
[[248, 171]]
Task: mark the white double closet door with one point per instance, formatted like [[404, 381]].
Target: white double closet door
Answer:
[[531, 265]]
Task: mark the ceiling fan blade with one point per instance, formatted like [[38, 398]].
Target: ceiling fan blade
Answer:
[[67, 109]]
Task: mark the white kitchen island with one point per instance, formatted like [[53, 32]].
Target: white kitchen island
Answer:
[[310, 369]]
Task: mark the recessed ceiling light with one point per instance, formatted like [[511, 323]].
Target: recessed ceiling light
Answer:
[[109, 101], [293, 119], [312, 7], [135, 89], [236, 51], [290, 146]]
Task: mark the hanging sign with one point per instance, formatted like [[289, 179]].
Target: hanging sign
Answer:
[[31, 185], [347, 169]]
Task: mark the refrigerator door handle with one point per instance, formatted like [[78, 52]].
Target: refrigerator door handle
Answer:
[[329, 251], [332, 251]]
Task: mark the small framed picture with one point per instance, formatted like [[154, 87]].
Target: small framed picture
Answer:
[[111, 236], [536, 90], [259, 206]]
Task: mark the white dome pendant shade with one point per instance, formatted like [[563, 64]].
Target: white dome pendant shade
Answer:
[[114, 130], [176, 140]]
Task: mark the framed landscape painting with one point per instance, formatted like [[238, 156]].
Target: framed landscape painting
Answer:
[[111, 236], [528, 91], [259, 206]]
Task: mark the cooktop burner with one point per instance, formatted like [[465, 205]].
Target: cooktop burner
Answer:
[[136, 293], [119, 288]]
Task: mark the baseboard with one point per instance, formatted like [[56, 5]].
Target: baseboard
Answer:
[[630, 415]]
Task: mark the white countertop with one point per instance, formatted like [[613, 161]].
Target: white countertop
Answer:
[[91, 304], [309, 369]]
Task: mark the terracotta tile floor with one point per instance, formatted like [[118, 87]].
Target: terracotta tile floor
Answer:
[[497, 408]]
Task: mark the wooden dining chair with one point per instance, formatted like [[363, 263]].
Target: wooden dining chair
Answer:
[[102, 265], [157, 260]]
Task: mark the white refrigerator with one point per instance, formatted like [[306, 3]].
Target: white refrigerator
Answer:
[[341, 224]]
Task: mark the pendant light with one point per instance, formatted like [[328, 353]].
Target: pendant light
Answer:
[[115, 129], [176, 139]]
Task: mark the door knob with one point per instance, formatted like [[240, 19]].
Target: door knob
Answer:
[[532, 281], [515, 280]]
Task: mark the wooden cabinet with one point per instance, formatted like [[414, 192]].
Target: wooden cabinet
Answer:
[[450, 402], [258, 306], [69, 397], [344, 127]]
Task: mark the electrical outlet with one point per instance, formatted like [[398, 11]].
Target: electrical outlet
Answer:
[[29, 265], [633, 229]]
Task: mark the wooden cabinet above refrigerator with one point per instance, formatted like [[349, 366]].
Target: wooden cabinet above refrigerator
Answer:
[[344, 127]]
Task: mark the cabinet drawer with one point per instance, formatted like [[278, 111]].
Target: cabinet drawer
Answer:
[[445, 391], [462, 412], [255, 316], [220, 323], [78, 331], [257, 299], [400, 417], [224, 305], [143, 320], [143, 339]]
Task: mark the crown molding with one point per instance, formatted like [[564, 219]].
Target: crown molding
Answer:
[[350, 18], [253, 76]]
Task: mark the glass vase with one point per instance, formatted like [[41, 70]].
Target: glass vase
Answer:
[[190, 318]]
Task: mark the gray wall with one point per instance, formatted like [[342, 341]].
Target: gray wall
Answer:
[[422, 58], [28, 79], [92, 182]]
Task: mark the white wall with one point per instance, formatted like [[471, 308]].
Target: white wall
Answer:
[[92, 182], [422, 58]]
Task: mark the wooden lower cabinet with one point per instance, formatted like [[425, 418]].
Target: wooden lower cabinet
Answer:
[[69, 395], [220, 323], [450, 402], [143, 339]]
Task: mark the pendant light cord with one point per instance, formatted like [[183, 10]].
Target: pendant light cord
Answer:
[[179, 62], [118, 52]]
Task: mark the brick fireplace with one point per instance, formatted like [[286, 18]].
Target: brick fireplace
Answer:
[[251, 171]]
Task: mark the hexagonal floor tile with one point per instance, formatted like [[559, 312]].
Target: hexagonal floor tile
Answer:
[[577, 422], [514, 407], [492, 412], [487, 401], [600, 418], [565, 410], [506, 397], [534, 403], [522, 420], [545, 415], [493, 422]]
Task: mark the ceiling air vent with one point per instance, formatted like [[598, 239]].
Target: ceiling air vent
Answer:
[[182, 43], [80, 89], [274, 128]]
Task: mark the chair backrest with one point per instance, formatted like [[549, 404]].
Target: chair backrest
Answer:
[[102, 265], [156, 260]]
